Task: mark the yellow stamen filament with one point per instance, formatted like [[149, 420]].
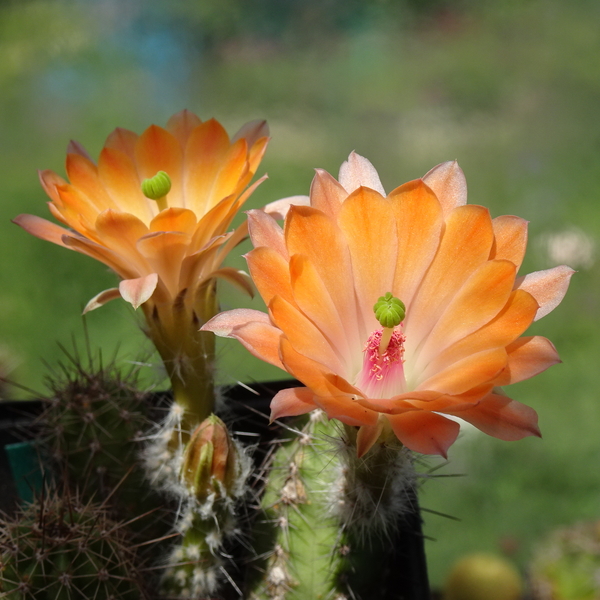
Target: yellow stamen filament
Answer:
[[386, 336], [162, 203]]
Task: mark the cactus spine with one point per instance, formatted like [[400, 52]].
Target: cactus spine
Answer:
[[59, 548]]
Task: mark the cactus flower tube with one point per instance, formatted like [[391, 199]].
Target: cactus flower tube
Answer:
[[447, 266], [156, 208]]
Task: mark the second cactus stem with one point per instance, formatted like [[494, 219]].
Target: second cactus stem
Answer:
[[300, 527], [327, 512]]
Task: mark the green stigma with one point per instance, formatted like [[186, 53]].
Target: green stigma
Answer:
[[157, 188], [389, 311]]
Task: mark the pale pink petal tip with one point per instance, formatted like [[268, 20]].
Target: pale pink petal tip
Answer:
[[357, 172], [547, 287], [292, 402], [280, 208], [76, 148], [449, 184], [226, 322], [252, 131], [102, 298], [137, 291]]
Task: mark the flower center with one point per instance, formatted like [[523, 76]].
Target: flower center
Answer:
[[382, 374]]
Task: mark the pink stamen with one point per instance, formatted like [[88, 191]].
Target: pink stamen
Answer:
[[382, 375]]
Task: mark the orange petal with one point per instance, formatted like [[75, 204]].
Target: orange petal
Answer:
[[198, 267], [501, 418], [158, 150], [480, 299], [314, 300], [265, 231], [102, 298], [508, 325], [303, 335], [446, 403], [181, 125], [139, 290], [40, 228], [547, 287], [280, 208], [326, 194], [233, 175], [77, 210], [470, 372], [425, 432], [343, 408], [399, 403], [255, 155], [50, 182], [292, 402], [270, 273], [367, 436], [253, 329], [449, 185], [122, 140], [120, 266], [174, 219], [164, 252], [310, 232], [311, 373], [527, 357], [370, 232], [465, 245], [120, 231], [83, 174], [357, 172], [510, 235], [204, 155], [213, 223], [419, 225], [119, 176]]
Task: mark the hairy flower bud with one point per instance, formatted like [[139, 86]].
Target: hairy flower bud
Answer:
[[211, 461]]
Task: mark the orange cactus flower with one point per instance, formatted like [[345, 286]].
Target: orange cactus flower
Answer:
[[452, 266], [169, 250]]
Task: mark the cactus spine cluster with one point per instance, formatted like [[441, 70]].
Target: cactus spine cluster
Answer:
[[92, 425], [92, 430], [59, 547]]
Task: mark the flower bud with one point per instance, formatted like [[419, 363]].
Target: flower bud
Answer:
[[210, 461]]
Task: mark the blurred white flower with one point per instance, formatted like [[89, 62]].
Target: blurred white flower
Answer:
[[570, 246]]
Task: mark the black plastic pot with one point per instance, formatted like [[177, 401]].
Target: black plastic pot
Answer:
[[402, 569]]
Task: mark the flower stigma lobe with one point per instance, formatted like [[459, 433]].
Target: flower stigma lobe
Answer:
[[156, 188]]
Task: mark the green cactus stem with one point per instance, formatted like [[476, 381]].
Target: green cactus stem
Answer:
[[327, 513], [299, 532]]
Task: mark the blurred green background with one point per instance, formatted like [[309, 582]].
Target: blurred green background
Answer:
[[509, 88]]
